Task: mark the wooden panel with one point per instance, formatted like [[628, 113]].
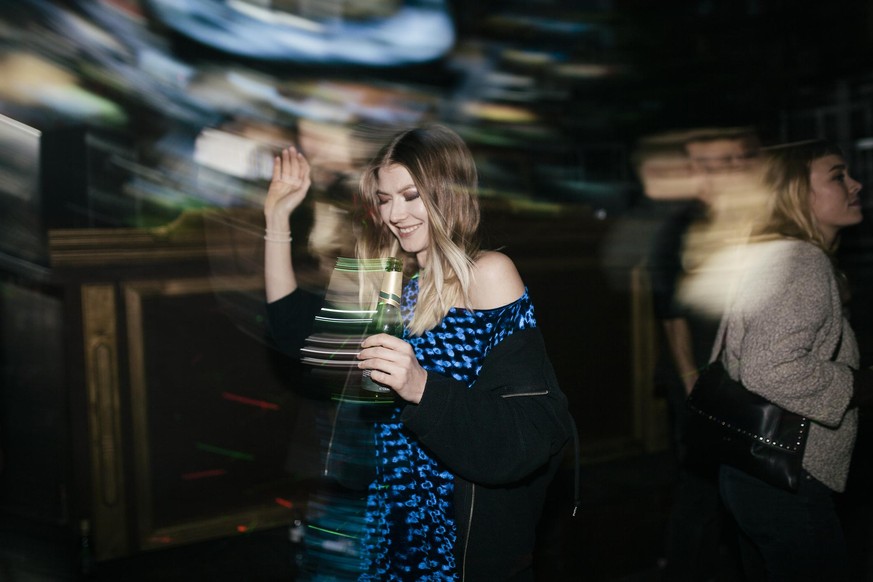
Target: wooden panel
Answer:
[[211, 418], [33, 403], [108, 501]]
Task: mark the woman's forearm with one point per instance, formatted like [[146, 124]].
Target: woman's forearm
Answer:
[[279, 277], [287, 190]]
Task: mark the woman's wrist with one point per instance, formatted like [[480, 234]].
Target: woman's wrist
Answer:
[[277, 217], [277, 236], [278, 228]]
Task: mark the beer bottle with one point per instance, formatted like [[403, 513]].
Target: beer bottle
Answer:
[[387, 318]]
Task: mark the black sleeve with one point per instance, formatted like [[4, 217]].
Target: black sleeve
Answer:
[[290, 320], [507, 426]]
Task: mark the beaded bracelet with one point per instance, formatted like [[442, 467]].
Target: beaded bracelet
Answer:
[[278, 236]]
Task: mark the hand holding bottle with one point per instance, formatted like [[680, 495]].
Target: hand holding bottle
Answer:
[[392, 362], [387, 318]]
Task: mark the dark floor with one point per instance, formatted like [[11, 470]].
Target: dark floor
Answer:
[[616, 535]]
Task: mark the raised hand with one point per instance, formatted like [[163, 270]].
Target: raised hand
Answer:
[[290, 183]]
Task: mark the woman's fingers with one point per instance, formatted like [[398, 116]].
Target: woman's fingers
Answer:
[[277, 168], [290, 182], [393, 375], [385, 348], [384, 339], [289, 161], [304, 168], [392, 362], [290, 171], [298, 167]]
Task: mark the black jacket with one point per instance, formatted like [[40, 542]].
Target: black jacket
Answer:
[[503, 440]]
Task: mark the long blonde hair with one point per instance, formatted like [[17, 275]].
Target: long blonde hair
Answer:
[[788, 178], [443, 170]]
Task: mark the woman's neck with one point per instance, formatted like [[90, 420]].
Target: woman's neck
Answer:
[[829, 236], [421, 257]]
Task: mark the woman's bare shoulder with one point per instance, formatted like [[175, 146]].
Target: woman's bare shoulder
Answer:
[[496, 281]]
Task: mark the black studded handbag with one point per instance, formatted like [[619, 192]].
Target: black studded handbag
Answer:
[[728, 424]]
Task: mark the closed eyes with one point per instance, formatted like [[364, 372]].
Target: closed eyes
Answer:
[[407, 196]]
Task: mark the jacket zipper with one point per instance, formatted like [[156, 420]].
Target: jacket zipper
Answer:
[[467, 537]]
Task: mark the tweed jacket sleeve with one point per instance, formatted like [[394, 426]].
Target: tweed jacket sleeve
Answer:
[[783, 328], [504, 428]]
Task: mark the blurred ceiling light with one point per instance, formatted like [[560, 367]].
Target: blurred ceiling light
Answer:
[[530, 58], [275, 17], [27, 75], [235, 155], [413, 31], [510, 80], [77, 27], [584, 70], [33, 81], [499, 112]]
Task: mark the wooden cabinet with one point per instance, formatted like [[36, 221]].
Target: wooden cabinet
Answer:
[[140, 392]]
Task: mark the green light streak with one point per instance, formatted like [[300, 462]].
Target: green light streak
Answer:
[[225, 452], [329, 531]]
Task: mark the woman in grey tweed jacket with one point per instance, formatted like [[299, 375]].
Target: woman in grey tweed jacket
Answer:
[[787, 339]]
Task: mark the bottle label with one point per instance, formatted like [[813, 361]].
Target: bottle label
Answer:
[[391, 285], [389, 298]]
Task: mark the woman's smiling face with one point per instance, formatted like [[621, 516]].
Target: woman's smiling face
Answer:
[[403, 211]]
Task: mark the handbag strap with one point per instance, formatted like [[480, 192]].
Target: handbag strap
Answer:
[[718, 346]]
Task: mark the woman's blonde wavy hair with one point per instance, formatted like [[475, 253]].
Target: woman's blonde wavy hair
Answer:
[[444, 173], [787, 177]]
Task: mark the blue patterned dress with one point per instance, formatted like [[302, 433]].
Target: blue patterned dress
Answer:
[[409, 531]]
